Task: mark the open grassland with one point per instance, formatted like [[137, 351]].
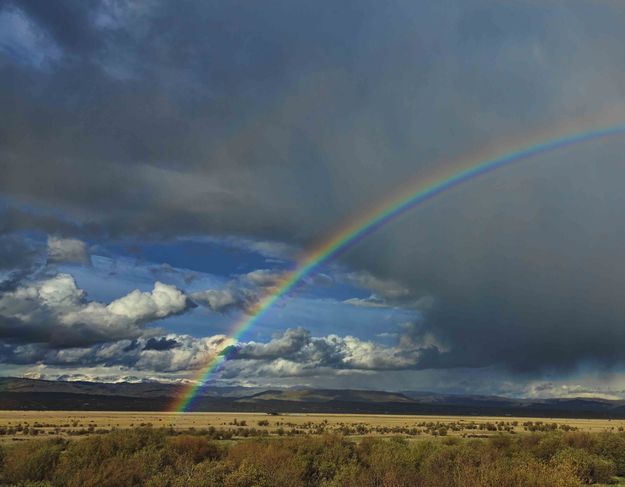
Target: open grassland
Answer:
[[163, 457], [21, 425]]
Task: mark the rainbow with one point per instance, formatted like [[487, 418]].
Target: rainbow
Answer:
[[411, 196]]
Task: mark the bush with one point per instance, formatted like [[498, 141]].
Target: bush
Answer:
[[197, 448], [162, 458], [611, 446], [588, 467], [31, 461]]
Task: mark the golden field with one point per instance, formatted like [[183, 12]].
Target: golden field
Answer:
[[133, 449], [32, 424]]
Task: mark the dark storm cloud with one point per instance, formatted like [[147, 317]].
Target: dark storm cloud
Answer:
[[160, 344], [528, 282], [259, 113], [279, 120], [16, 253], [13, 219], [19, 257]]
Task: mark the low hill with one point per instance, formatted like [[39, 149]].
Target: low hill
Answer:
[[327, 395], [34, 394]]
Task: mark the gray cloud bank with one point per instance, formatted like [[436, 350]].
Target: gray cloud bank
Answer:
[[280, 120], [68, 250], [292, 353]]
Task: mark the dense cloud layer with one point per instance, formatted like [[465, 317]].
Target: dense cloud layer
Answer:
[[293, 353], [279, 121], [271, 122]]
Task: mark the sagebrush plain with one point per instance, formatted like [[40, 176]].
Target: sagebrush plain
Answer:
[[21, 425], [235, 455]]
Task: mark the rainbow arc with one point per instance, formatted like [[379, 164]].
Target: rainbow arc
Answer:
[[357, 229]]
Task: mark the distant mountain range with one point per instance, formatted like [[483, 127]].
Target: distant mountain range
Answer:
[[35, 394]]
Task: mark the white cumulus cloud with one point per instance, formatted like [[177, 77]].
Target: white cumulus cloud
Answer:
[[57, 312]]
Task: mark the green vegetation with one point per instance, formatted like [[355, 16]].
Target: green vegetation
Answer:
[[163, 458], [292, 426]]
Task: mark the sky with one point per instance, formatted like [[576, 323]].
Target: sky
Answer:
[[163, 164]]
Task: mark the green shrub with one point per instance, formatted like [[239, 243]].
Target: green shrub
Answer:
[[197, 448], [545, 445], [31, 461], [162, 458], [588, 467], [248, 474], [611, 446]]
